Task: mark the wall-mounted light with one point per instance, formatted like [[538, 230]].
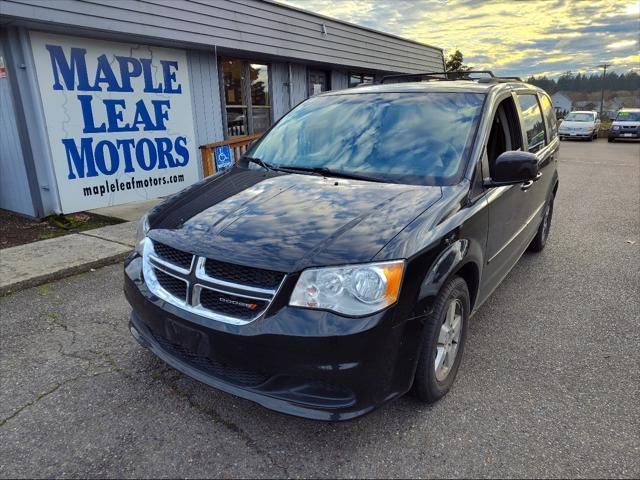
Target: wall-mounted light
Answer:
[[324, 30]]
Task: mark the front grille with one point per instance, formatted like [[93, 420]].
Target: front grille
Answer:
[[173, 255], [253, 277], [202, 289], [233, 374], [231, 305], [173, 285]]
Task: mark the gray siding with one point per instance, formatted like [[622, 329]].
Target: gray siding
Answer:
[[30, 122], [14, 187], [279, 89], [299, 85], [255, 26], [205, 96], [339, 79]]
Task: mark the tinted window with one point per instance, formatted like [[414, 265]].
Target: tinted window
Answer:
[[418, 138], [533, 122], [550, 115]]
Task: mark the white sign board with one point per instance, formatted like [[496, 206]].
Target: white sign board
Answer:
[[118, 118]]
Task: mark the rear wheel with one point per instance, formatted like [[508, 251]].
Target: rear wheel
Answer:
[[444, 335], [610, 140], [540, 240]]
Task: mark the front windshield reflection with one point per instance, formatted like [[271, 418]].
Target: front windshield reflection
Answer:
[[417, 138]]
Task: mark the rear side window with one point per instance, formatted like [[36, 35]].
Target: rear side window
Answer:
[[533, 121], [550, 115]]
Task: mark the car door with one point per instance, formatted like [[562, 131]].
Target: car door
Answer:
[[541, 141], [508, 205]]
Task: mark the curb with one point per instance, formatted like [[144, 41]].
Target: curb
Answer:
[[60, 274]]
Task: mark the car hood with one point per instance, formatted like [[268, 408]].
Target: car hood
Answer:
[[566, 124], [288, 222]]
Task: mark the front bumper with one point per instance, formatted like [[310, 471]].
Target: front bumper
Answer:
[[623, 134], [575, 134], [307, 363]]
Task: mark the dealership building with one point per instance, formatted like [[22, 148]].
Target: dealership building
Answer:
[[108, 102]]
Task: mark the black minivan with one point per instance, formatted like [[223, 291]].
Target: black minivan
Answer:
[[336, 265]]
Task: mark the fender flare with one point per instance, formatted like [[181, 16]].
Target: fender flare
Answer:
[[450, 261]]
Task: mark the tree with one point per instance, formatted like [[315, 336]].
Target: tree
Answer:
[[454, 64]]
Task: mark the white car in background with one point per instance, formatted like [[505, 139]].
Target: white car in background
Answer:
[[580, 124]]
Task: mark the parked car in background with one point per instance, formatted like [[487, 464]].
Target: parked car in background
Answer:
[[337, 264], [580, 124], [625, 125]]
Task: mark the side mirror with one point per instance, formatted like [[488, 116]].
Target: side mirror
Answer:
[[513, 167]]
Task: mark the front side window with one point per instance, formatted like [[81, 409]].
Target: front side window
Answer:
[[246, 95], [416, 138], [533, 121], [550, 115]]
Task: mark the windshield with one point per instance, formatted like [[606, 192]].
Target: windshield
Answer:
[[579, 117], [628, 117], [417, 138]]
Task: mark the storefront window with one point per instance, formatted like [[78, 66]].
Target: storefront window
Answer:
[[233, 74], [260, 101], [356, 79], [247, 98]]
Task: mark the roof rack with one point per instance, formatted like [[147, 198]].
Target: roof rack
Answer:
[[448, 76]]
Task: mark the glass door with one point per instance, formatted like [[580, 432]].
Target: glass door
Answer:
[[247, 97]]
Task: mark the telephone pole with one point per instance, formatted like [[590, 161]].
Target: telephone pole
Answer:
[[604, 73]]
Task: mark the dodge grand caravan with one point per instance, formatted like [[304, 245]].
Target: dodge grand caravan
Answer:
[[335, 267]]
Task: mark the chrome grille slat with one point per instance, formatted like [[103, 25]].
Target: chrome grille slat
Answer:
[[224, 301]]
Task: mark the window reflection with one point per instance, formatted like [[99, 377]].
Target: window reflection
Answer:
[[247, 99], [356, 79], [410, 137], [533, 122]]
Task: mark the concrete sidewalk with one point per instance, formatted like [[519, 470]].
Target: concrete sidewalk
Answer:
[[39, 262]]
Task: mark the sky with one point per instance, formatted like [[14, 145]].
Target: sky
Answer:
[[527, 37]]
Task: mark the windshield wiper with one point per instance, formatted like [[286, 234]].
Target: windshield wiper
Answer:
[[334, 173], [258, 161]]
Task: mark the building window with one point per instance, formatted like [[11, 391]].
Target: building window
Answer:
[[356, 79], [247, 97]]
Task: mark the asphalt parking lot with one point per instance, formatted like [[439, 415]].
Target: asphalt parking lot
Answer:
[[549, 385]]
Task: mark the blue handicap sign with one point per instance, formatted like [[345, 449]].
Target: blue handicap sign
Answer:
[[224, 157]]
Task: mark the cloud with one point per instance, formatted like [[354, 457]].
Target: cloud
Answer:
[[509, 37]]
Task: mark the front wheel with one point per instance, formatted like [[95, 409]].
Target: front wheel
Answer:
[[540, 240], [444, 335]]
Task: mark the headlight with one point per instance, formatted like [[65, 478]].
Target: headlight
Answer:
[[141, 233], [350, 290], [616, 127]]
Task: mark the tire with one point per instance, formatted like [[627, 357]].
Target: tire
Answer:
[[610, 140], [431, 383], [540, 240]]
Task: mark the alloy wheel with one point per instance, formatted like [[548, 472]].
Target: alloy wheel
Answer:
[[448, 340]]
